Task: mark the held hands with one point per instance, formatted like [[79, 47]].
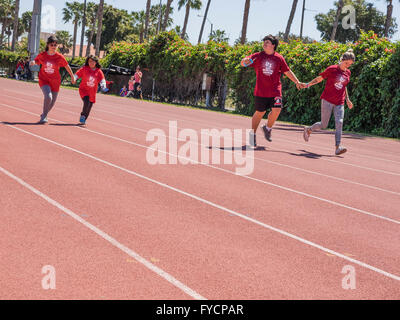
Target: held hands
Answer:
[[73, 81], [32, 63], [301, 85], [246, 62]]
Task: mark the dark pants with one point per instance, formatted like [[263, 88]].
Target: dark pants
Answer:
[[135, 90], [87, 106]]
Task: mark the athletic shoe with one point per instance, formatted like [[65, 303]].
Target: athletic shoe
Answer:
[[252, 140], [267, 133], [43, 120], [82, 120], [306, 134], [340, 150]]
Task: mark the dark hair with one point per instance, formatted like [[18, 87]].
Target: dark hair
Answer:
[[274, 40], [50, 39], [94, 58]]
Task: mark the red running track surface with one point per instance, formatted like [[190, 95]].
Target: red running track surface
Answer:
[[86, 201]]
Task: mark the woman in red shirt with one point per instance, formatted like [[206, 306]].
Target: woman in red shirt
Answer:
[[333, 97], [92, 76], [49, 75]]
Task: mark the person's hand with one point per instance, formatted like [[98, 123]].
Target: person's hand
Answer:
[[73, 81], [32, 63], [246, 62], [349, 104], [301, 85]]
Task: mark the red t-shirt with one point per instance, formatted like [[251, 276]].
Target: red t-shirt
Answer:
[[50, 71], [90, 82], [138, 77], [335, 88], [269, 69]]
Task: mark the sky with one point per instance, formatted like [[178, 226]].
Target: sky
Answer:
[[265, 17]]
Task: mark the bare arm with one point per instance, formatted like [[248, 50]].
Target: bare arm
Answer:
[[68, 68], [293, 77], [349, 103], [315, 81]]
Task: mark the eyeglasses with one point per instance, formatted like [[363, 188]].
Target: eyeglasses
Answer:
[[53, 45]]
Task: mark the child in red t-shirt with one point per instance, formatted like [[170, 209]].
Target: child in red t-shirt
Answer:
[[269, 66], [92, 76], [49, 75], [333, 97]]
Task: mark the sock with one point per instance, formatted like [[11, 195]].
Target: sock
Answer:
[[269, 129]]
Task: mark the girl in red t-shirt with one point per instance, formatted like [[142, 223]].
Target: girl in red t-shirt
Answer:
[[333, 97], [49, 75], [92, 76]]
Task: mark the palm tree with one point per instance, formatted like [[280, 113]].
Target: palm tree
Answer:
[[335, 25], [99, 26], [219, 36], [6, 11], [146, 24], [73, 12], [204, 21], [64, 39], [16, 20], [289, 23], [190, 4], [140, 18], [83, 28], [91, 17], [389, 12], [245, 20], [166, 16]]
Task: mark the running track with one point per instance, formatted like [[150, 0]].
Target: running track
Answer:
[[87, 202]]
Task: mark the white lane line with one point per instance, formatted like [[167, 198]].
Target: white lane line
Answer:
[[208, 123], [212, 204], [108, 238], [260, 159], [233, 173], [217, 127]]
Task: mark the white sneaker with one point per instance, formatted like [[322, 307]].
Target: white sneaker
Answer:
[[340, 150]]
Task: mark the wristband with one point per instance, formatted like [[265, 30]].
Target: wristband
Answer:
[[251, 62]]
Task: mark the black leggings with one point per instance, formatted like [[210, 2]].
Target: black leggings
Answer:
[[87, 106]]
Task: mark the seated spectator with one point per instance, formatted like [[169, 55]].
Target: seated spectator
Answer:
[[123, 92], [19, 70]]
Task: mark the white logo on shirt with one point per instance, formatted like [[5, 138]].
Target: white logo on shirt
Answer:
[[268, 69], [49, 68], [340, 82], [90, 82]]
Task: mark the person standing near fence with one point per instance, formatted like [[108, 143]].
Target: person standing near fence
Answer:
[[49, 76], [269, 66], [332, 99], [92, 76], [131, 87], [138, 81]]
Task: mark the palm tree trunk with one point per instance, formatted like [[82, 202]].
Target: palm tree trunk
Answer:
[[89, 44], [289, 23], [204, 21], [99, 26], [15, 33], [74, 40], [335, 25], [245, 20], [146, 24], [186, 20], [166, 16], [388, 21], [3, 31], [83, 29]]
